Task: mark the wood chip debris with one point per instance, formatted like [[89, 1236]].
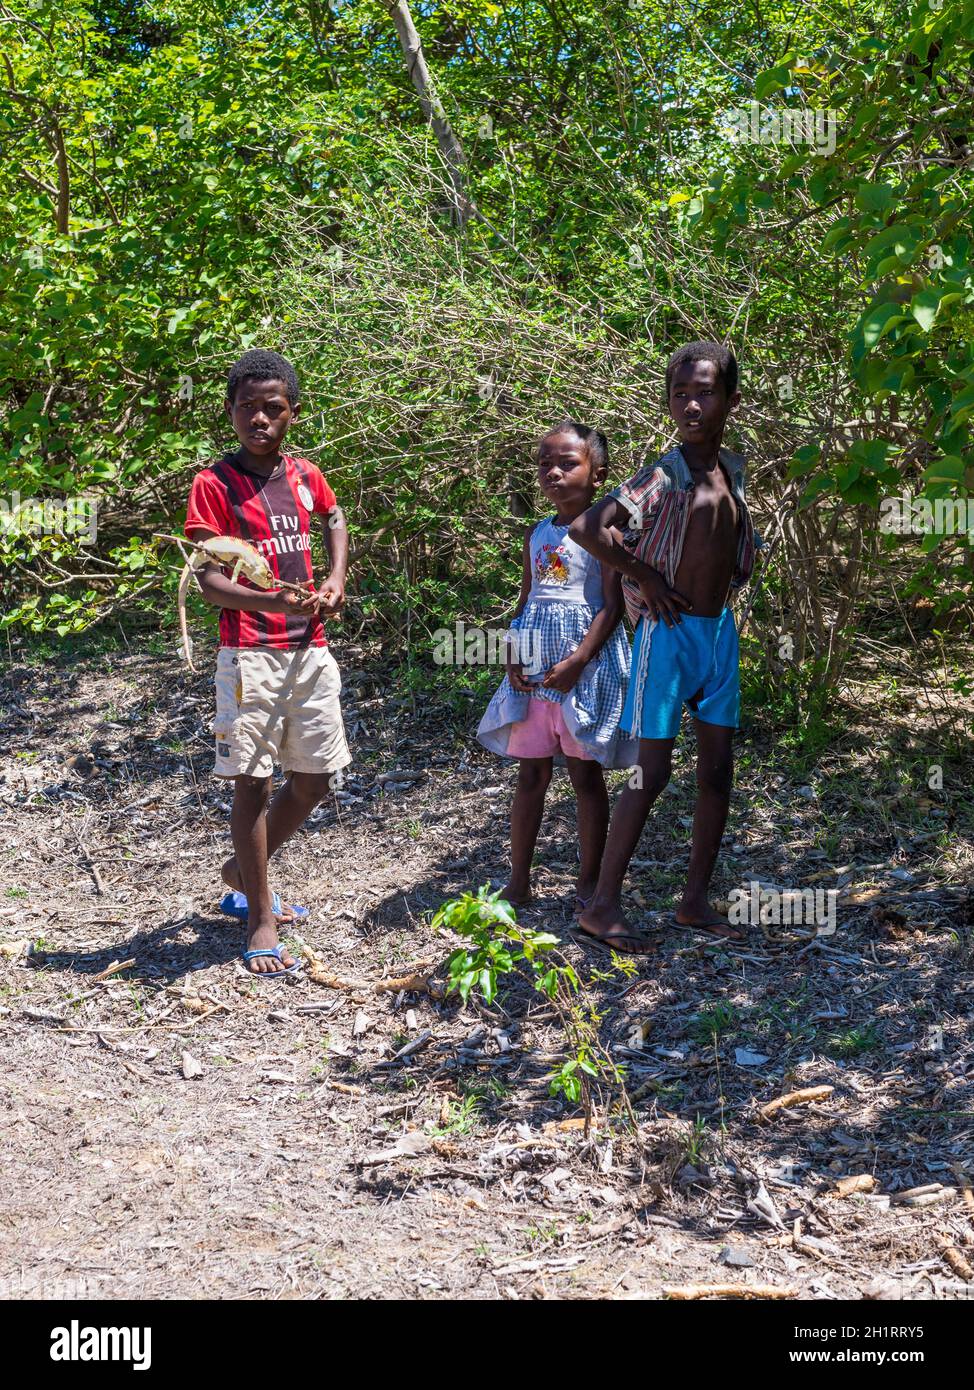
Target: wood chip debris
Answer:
[[688, 1291], [414, 984], [956, 1261], [191, 1066], [113, 969], [855, 1182], [575, 1125], [801, 1097], [926, 1196], [411, 1145], [762, 1206], [409, 1049], [536, 1266], [318, 973], [11, 950]]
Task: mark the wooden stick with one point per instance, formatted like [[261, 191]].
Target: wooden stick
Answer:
[[318, 973], [418, 984], [909, 1193], [794, 1098], [113, 969], [957, 1262], [859, 1182], [90, 864], [99, 883], [686, 1291], [924, 1199], [965, 1186]]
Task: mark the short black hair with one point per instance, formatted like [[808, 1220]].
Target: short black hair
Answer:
[[717, 353], [598, 445], [261, 365]]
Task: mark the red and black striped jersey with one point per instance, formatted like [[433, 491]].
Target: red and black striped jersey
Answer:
[[273, 513]]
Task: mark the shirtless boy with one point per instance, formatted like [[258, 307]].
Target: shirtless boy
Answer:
[[688, 541]]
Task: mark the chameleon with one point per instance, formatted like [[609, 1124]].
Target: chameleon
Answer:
[[230, 552]]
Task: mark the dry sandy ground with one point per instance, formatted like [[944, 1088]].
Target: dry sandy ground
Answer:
[[179, 1130]]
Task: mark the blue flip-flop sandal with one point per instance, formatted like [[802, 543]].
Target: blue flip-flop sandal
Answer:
[[278, 953], [235, 905]]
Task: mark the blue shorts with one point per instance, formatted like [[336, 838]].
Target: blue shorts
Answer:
[[695, 664]]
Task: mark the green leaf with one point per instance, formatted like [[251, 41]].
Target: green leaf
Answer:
[[838, 232], [815, 489], [846, 473], [102, 470], [878, 321], [926, 305], [862, 491], [945, 470], [871, 453], [874, 197], [962, 405], [771, 81], [804, 460]]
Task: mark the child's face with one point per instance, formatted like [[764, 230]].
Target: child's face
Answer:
[[565, 472], [261, 414], [699, 404]]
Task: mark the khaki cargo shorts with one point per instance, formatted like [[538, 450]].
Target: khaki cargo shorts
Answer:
[[278, 707]]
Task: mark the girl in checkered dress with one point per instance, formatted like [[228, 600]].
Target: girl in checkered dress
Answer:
[[567, 667]]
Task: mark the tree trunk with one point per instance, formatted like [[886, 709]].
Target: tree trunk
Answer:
[[446, 138]]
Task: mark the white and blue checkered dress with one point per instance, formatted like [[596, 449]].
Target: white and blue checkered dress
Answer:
[[566, 594]]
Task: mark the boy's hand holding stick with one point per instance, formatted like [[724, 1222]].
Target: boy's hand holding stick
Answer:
[[331, 597]]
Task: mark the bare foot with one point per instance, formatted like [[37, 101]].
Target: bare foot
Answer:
[[704, 918], [265, 938], [231, 877], [608, 927], [517, 897]]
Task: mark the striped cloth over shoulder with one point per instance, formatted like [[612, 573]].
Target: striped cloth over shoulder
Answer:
[[658, 501]]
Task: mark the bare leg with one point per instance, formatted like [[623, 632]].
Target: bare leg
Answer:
[[592, 814], [604, 917], [715, 775], [248, 826], [292, 805], [532, 783]]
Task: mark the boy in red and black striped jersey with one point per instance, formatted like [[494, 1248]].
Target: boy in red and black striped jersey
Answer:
[[277, 685]]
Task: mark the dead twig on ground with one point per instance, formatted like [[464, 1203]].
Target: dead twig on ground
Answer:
[[801, 1097]]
